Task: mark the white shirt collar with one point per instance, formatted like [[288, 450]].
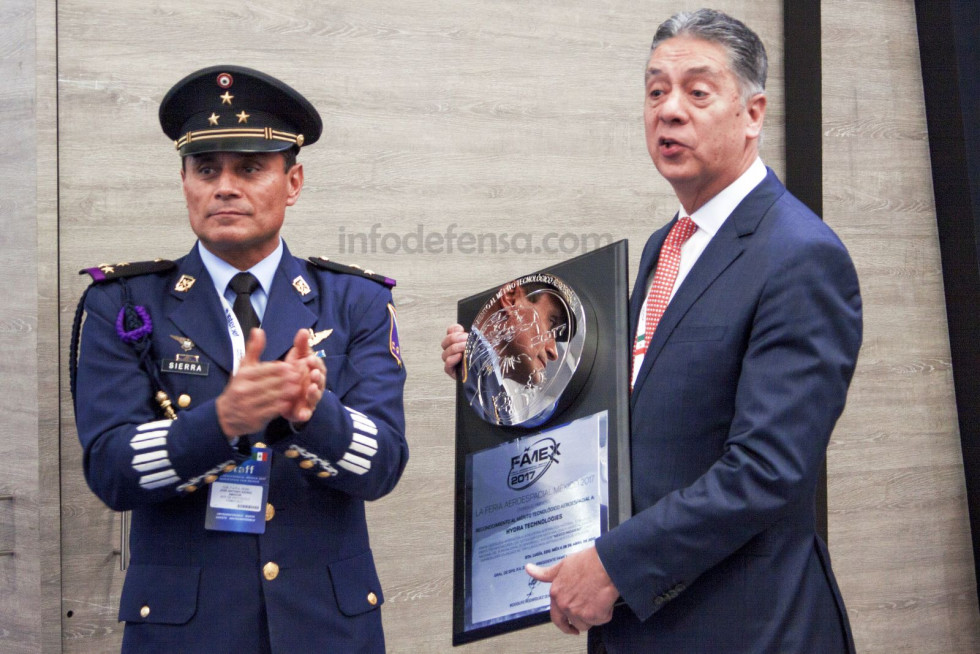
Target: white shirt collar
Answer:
[[715, 211]]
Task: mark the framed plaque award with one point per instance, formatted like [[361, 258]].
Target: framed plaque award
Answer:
[[542, 434]]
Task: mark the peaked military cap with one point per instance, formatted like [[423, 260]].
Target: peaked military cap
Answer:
[[237, 109]]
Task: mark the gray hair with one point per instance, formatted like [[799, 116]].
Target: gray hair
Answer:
[[746, 54]]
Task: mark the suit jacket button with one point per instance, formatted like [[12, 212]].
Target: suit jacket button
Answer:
[[145, 611], [270, 511], [270, 571], [372, 599]]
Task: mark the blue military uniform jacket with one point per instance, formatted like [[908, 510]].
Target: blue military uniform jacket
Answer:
[[308, 584]]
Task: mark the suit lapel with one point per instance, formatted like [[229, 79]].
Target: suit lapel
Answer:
[[289, 305], [726, 246], [199, 315]]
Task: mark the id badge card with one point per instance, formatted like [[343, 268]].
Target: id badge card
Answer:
[[237, 499]]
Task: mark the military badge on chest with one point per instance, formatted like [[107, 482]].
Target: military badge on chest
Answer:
[[185, 363]]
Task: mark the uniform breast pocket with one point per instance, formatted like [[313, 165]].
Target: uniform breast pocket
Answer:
[[189, 383]]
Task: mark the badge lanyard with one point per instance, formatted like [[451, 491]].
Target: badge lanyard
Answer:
[[235, 333]]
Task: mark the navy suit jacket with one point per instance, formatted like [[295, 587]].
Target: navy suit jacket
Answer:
[[189, 589], [732, 411]]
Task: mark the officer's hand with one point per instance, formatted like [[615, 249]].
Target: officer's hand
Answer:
[[258, 392], [453, 345], [313, 378]]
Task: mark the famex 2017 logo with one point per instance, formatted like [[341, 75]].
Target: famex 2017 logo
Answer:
[[529, 466]]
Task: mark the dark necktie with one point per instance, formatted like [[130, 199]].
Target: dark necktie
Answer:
[[244, 284]]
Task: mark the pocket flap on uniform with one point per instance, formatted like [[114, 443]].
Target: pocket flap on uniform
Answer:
[[356, 584], [159, 594]]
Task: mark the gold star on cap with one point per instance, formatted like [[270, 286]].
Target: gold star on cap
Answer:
[[213, 118], [243, 117], [226, 98]]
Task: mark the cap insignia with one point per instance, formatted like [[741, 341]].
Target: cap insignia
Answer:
[[243, 117], [226, 98], [213, 119], [225, 80]]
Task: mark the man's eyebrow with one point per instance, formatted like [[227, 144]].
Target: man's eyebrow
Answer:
[[696, 71]]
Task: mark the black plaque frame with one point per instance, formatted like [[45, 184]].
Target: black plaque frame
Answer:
[[600, 279]]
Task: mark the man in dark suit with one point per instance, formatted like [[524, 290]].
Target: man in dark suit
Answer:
[[746, 324], [245, 453]]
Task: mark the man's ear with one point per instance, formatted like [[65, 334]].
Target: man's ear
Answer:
[[511, 294], [755, 109], [295, 177]]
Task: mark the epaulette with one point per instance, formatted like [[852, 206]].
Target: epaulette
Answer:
[[105, 272], [327, 264]]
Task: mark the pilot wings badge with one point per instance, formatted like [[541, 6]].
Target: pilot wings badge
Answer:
[[317, 337]]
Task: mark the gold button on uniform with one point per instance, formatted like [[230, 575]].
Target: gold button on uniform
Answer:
[[372, 599], [270, 571], [306, 464], [184, 401], [260, 444], [270, 512], [229, 467], [323, 473], [145, 611], [291, 454], [210, 479]]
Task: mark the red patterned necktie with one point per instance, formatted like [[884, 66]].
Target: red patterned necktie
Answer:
[[663, 281]]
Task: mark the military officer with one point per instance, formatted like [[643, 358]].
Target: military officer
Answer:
[[241, 402]]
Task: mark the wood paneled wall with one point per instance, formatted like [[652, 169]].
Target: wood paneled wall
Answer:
[[495, 118], [899, 529], [30, 592]]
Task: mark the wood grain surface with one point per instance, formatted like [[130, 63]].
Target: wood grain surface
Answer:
[[485, 119], [30, 592], [899, 529]]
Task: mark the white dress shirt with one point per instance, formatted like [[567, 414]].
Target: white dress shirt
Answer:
[[709, 219]]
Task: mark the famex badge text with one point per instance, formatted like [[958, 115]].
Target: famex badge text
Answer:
[[529, 466]]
